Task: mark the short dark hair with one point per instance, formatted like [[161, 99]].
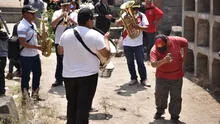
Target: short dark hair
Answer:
[[162, 37], [84, 15]]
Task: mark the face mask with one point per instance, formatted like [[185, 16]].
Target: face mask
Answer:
[[72, 6], [162, 49]]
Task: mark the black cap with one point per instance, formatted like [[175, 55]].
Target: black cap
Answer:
[[65, 2], [85, 14], [28, 8]]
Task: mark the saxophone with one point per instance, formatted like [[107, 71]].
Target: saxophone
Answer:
[[129, 19], [45, 41]]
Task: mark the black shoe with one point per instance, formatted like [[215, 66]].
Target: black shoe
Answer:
[[158, 116], [175, 118], [94, 110], [56, 84]]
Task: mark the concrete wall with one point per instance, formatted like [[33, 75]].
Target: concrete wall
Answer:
[[201, 24], [172, 13]]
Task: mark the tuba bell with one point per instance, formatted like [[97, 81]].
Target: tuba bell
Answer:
[[129, 20], [45, 41]]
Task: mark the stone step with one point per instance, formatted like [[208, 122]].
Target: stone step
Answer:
[[11, 17], [10, 9]]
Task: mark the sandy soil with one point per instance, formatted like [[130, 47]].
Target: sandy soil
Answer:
[[118, 103]]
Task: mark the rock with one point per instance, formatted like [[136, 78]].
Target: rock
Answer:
[[8, 110]]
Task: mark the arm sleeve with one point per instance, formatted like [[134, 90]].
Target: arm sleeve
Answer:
[[144, 20], [153, 55], [22, 32], [182, 41], [158, 13], [100, 41]]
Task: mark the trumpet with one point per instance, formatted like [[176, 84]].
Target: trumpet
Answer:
[[65, 19]]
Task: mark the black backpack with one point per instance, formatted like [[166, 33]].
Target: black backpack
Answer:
[[13, 44], [14, 47]]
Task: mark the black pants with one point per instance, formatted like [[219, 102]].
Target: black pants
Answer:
[[79, 93], [165, 87], [2, 74], [59, 67]]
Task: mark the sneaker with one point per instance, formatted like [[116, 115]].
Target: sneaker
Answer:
[[132, 82], [9, 76], [158, 116], [144, 83], [56, 83]]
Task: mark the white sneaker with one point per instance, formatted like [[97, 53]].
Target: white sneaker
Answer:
[[132, 82], [144, 83]]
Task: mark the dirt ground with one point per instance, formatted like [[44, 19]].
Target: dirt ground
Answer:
[[117, 103]]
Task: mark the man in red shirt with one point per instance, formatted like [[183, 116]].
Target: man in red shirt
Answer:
[[168, 56], [153, 14]]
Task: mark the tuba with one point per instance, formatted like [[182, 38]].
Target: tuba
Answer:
[[45, 41], [129, 20]]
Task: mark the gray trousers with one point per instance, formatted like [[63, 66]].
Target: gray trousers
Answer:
[[165, 87]]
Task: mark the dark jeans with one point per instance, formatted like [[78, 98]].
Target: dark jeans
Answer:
[[165, 87], [2, 74], [59, 67], [28, 65], [132, 53], [148, 42], [79, 94], [16, 63]]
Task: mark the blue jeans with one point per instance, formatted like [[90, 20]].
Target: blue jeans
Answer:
[[2, 74], [132, 53], [59, 67], [28, 65]]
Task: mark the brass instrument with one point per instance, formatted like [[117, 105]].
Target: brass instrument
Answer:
[[129, 19], [65, 19], [45, 41]]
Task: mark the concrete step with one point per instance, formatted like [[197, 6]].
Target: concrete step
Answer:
[[10, 9], [11, 17]]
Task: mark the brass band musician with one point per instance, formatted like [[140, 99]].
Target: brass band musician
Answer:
[[134, 22], [60, 21]]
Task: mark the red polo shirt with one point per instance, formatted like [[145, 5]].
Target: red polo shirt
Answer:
[[171, 70], [153, 13]]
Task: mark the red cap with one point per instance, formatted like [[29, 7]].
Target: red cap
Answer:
[[159, 42]]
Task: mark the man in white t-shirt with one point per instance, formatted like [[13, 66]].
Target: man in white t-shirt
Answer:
[[29, 56], [134, 50], [60, 21], [80, 67]]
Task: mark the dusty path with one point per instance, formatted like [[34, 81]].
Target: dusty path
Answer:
[[119, 103]]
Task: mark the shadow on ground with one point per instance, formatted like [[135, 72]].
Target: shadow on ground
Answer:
[[126, 90], [163, 121], [100, 116], [92, 116]]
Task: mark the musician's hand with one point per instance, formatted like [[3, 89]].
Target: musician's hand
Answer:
[[107, 35], [64, 14], [109, 16], [137, 26], [168, 58], [39, 47]]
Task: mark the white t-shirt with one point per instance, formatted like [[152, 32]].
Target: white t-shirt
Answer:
[[60, 28], [78, 61], [138, 40], [25, 30], [74, 15]]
